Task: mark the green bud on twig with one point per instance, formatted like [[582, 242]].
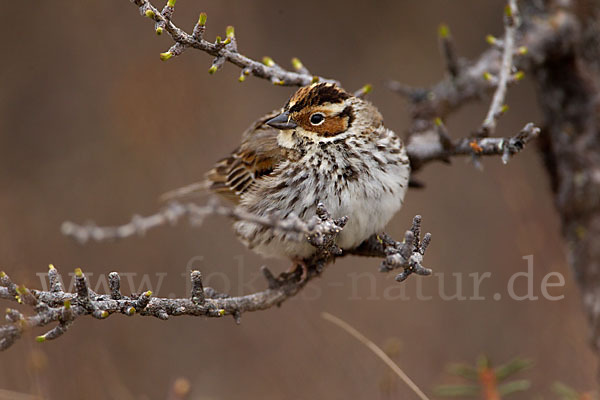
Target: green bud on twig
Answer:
[[519, 75], [230, 31], [166, 55], [268, 61], [297, 64], [202, 19], [150, 14], [443, 31]]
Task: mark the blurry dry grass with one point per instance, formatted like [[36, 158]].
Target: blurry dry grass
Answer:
[[93, 125]]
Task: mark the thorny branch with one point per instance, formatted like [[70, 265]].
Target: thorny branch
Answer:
[[58, 306]]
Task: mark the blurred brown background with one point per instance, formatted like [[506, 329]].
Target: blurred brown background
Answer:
[[94, 126]]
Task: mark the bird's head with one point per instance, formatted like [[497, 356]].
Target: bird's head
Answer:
[[321, 110]]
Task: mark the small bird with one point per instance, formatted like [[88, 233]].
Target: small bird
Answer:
[[325, 146]]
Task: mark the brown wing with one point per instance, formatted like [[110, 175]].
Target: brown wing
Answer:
[[257, 156]]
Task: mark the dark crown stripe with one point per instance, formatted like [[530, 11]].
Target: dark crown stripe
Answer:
[[317, 95]]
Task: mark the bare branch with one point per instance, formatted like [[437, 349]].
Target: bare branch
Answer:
[[424, 148], [495, 69], [62, 307], [174, 211], [448, 51], [511, 23], [224, 50]]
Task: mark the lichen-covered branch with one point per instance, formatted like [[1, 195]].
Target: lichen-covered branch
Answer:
[[224, 50], [62, 308], [557, 45], [524, 46]]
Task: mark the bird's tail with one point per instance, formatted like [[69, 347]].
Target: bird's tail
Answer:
[[194, 190]]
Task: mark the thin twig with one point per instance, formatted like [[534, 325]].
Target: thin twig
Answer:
[[56, 305], [423, 148], [174, 211], [377, 350], [223, 50], [510, 25]]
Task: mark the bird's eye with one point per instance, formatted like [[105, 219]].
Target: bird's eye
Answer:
[[317, 119]]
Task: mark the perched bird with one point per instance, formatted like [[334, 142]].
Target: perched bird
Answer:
[[324, 146]]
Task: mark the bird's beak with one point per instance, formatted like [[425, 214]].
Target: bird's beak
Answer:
[[282, 121]]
